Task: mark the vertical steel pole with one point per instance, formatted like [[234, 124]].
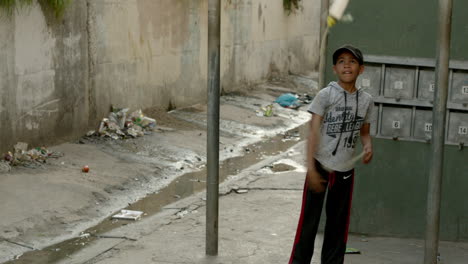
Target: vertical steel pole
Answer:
[[212, 182], [438, 133], [325, 4]]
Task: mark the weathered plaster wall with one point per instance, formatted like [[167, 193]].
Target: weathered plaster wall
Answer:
[[60, 76], [43, 76], [259, 37], [148, 53]]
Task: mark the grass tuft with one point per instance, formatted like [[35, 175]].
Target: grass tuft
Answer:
[[56, 6], [291, 5]]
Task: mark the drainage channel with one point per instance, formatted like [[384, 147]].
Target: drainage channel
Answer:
[[184, 186]]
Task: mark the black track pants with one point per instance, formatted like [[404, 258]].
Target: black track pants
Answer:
[[338, 208]]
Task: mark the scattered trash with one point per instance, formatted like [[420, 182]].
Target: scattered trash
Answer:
[[291, 135], [352, 251], [288, 100], [181, 214], [293, 101], [268, 110], [85, 235], [128, 215], [85, 169], [32, 158], [265, 111], [306, 99], [241, 191], [121, 125]]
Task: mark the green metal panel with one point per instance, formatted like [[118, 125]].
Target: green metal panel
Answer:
[[398, 28], [391, 192]]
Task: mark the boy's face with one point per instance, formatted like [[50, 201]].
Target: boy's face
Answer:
[[347, 68]]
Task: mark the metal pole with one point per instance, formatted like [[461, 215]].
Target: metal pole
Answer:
[[212, 182], [438, 133], [325, 4]]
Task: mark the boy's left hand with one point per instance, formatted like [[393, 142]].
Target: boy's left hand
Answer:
[[367, 154]]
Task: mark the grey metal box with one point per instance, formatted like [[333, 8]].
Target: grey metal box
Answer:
[[423, 124], [426, 84], [374, 120], [373, 128], [458, 128], [459, 89], [369, 80], [396, 122], [399, 82]]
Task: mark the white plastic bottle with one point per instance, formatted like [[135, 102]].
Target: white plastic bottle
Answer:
[[337, 8], [336, 11]]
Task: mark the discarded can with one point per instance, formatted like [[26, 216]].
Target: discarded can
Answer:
[[268, 110], [8, 156], [85, 169]]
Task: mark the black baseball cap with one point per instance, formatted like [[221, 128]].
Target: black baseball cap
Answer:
[[351, 49]]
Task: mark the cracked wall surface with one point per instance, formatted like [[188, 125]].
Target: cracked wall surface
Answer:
[[60, 76]]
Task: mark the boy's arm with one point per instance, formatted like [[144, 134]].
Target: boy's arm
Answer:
[[366, 143], [315, 182]]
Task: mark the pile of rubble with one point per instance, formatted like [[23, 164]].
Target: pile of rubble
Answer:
[[120, 125], [32, 158]]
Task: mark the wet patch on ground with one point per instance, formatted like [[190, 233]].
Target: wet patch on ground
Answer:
[[184, 186], [282, 167]]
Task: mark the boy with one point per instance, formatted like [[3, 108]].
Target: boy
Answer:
[[340, 116]]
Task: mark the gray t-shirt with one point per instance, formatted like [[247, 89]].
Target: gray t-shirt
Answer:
[[342, 121]]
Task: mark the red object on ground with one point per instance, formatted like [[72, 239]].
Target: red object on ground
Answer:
[[85, 169]]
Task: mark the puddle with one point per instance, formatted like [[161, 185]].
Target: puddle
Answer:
[[180, 188], [281, 167]]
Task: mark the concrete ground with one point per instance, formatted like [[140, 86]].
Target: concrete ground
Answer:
[[259, 203], [258, 213], [56, 201]]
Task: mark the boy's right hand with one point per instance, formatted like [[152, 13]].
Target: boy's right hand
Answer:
[[315, 181]]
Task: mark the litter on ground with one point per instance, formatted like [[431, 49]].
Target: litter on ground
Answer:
[[352, 251], [32, 158], [128, 215], [293, 101], [120, 125]]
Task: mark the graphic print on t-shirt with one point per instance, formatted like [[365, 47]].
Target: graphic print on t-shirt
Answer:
[[334, 124]]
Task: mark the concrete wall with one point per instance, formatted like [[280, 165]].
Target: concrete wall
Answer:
[[260, 37], [43, 76], [61, 76], [147, 53]]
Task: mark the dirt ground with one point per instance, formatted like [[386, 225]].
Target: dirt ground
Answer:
[[45, 205]]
